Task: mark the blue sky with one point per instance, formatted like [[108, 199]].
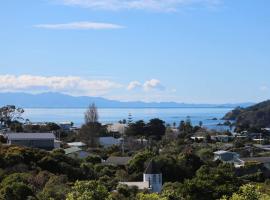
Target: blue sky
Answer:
[[195, 51]]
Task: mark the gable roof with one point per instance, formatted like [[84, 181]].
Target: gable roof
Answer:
[[114, 160], [152, 168], [32, 136], [72, 150]]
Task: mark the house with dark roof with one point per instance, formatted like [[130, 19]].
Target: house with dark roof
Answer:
[[228, 157], [34, 140], [152, 178]]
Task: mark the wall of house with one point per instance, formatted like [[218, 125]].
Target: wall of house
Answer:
[[41, 144], [155, 181]]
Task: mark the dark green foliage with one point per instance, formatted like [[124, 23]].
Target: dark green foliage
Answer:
[[252, 118], [211, 183]]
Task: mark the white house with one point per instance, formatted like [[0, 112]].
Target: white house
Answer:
[[228, 157], [76, 152], [152, 179], [117, 128]]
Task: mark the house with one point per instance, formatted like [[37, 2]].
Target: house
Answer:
[[76, 152], [65, 126], [109, 141], [228, 157], [200, 138], [117, 128], [76, 144], [118, 161], [152, 179], [35, 140], [222, 138]]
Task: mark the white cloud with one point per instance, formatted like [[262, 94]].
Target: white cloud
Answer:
[[66, 84], [134, 84], [153, 84], [79, 26], [156, 5]]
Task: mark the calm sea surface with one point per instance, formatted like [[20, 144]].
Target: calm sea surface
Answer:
[[169, 115]]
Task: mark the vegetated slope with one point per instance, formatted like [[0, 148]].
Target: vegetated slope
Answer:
[[253, 117]]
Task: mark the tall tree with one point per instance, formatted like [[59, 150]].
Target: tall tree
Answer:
[[91, 115], [10, 113]]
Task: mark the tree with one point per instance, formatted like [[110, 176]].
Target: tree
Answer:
[[142, 196], [211, 183], [136, 129], [88, 190], [10, 113], [248, 192], [156, 128], [91, 115]]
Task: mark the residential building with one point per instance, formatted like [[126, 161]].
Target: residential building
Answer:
[[228, 157], [76, 144], [109, 141], [117, 128], [35, 140], [152, 179], [76, 152]]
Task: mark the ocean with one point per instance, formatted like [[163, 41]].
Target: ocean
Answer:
[[112, 115]]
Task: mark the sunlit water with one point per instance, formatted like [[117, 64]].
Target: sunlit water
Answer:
[[106, 115]]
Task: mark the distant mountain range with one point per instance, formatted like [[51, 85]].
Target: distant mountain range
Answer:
[[58, 100]]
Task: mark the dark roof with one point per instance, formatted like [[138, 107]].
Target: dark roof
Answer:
[[257, 159], [114, 160], [32, 136], [152, 168]]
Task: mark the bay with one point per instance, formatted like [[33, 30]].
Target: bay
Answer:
[[112, 115]]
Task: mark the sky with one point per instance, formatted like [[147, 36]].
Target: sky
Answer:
[[193, 51]]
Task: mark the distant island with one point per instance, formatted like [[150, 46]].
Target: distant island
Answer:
[[58, 100]]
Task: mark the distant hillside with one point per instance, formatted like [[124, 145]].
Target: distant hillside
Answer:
[[253, 117], [57, 100]]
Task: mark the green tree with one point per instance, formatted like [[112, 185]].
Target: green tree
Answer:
[[88, 190], [142, 196], [156, 128], [248, 192]]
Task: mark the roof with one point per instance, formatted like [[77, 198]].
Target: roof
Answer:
[[114, 160], [76, 144], [257, 159], [152, 168], [221, 152], [140, 185], [72, 150], [32, 136]]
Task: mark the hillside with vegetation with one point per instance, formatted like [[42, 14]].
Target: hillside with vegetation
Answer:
[[251, 118]]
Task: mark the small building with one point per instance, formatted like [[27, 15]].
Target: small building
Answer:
[[65, 126], [76, 152], [34, 140], [222, 138], [117, 161], [117, 128], [76, 144], [228, 157], [153, 175], [152, 179], [109, 141]]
